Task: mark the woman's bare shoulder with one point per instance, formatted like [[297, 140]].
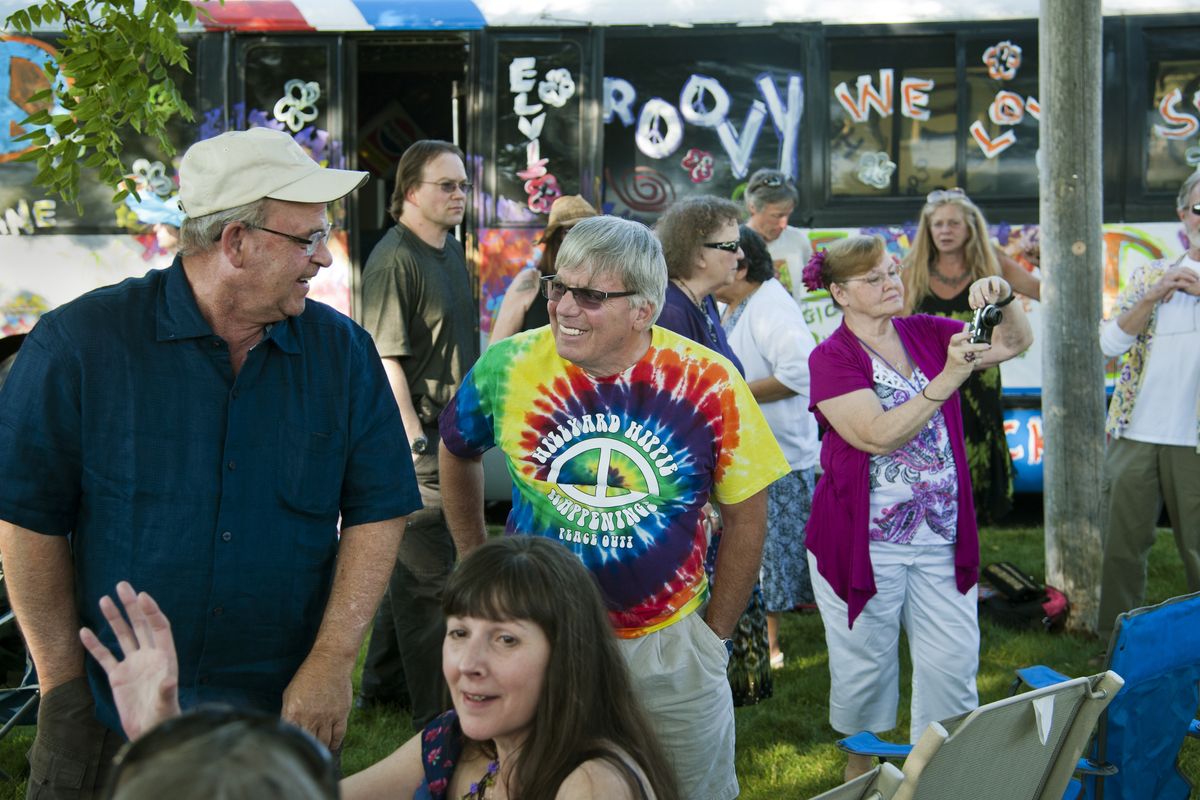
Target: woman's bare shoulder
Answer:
[[601, 778]]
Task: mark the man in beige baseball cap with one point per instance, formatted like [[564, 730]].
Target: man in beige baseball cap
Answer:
[[198, 432], [239, 167]]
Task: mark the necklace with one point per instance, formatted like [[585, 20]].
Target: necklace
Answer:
[[940, 278], [690, 293], [479, 789], [914, 383], [713, 340]]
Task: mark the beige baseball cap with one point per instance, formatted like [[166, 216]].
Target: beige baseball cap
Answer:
[[239, 167]]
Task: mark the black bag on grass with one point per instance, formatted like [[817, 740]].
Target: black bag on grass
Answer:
[[1014, 599]]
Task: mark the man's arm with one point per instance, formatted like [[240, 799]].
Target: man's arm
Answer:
[[40, 576], [1137, 317], [770, 389], [318, 697], [462, 499], [399, 383], [739, 557]]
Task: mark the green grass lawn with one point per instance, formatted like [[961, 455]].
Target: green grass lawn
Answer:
[[785, 744]]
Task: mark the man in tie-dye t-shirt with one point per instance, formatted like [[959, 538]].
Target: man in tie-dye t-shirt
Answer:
[[617, 434]]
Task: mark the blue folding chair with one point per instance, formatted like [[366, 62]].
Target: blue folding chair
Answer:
[[1156, 650]]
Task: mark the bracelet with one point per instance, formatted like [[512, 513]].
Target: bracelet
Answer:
[[932, 399], [1011, 296]]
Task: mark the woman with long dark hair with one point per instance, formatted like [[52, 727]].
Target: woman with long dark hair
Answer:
[[543, 706]]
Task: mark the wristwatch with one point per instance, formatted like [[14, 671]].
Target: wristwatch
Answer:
[[420, 445]]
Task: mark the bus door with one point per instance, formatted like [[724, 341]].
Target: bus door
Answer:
[[405, 88]]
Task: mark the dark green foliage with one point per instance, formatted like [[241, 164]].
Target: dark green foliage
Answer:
[[112, 75]]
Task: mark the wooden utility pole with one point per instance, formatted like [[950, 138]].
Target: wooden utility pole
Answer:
[[1069, 58]]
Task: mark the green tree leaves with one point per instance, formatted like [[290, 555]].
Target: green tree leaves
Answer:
[[112, 74]]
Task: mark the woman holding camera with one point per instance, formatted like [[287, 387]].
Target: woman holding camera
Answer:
[[950, 252], [892, 539]]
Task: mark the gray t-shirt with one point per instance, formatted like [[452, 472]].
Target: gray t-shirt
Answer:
[[419, 307]]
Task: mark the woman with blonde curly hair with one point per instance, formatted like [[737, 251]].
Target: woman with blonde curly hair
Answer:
[[950, 252]]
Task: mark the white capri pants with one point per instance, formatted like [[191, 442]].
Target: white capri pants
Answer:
[[915, 587]]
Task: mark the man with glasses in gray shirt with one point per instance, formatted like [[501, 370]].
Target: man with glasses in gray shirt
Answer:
[[418, 305]]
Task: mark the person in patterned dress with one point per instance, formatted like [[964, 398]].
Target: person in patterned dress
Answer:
[[950, 251], [892, 538]]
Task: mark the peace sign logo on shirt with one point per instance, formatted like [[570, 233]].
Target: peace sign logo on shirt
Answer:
[[608, 451]]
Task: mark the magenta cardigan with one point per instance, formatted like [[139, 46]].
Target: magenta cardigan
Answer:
[[837, 527]]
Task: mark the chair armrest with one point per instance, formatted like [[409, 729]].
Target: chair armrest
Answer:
[[868, 744], [1088, 767], [1194, 729], [1039, 677]]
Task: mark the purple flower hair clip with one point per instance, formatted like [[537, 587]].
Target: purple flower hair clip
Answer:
[[812, 271]]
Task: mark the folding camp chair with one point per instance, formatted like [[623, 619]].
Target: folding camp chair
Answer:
[[1024, 747], [880, 783], [1156, 649], [18, 701]]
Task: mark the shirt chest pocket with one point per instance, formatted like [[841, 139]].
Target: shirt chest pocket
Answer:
[[311, 465], [1178, 316]]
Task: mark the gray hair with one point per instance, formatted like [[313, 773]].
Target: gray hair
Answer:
[[622, 248], [200, 234], [1185, 191], [768, 186]]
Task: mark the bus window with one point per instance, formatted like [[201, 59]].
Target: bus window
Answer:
[[1001, 139], [1172, 124], [539, 122], [27, 209], [724, 104], [288, 86], [892, 118]]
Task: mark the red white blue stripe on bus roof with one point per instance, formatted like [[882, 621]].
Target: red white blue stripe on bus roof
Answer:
[[340, 15], [301, 16]]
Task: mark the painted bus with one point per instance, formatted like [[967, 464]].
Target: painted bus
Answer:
[[633, 105]]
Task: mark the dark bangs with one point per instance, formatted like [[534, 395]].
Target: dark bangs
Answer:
[[514, 577]]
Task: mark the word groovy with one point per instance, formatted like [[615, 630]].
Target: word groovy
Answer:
[[705, 103]]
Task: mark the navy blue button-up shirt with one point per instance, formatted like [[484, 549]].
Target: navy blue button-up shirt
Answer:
[[123, 426]]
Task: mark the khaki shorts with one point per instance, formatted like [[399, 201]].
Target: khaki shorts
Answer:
[[678, 674]]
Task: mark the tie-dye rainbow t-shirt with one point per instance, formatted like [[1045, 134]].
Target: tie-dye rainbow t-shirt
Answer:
[[618, 469]]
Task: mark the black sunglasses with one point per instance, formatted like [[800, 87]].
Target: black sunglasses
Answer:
[[231, 726], [770, 182], [1196, 209], [728, 247], [555, 290]]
